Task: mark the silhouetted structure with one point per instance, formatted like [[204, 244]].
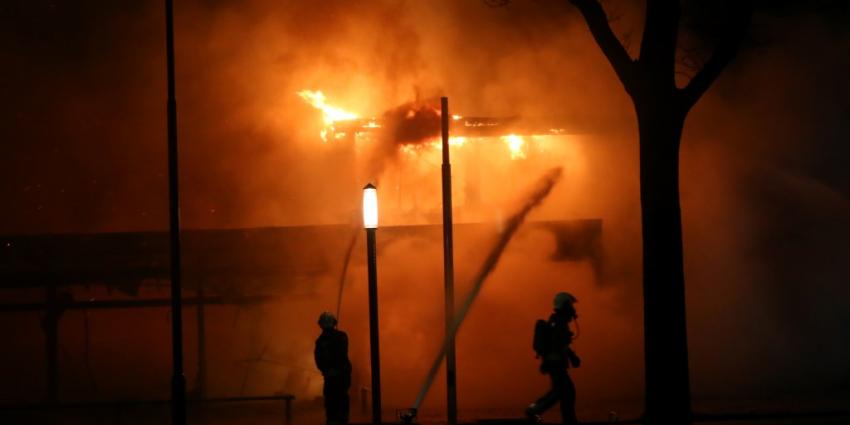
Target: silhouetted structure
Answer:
[[661, 108], [49, 274], [552, 339], [331, 356]]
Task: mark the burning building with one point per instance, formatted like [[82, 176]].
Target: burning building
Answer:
[[271, 187], [268, 273]]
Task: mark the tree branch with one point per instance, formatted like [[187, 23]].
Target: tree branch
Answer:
[[597, 22], [660, 37], [725, 52]]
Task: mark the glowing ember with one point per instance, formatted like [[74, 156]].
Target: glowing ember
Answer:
[[516, 145], [330, 114], [437, 143], [457, 141]]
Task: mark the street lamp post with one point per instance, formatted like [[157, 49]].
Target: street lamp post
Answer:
[[178, 380], [370, 222], [448, 268]]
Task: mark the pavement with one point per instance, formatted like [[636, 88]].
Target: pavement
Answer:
[[265, 413]]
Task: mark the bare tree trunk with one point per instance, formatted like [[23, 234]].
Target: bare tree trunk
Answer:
[[661, 110], [665, 332]]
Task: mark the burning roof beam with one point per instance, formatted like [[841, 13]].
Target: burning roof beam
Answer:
[[476, 126]]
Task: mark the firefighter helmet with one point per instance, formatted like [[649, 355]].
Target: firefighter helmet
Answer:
[[327, 320], [564, 298]]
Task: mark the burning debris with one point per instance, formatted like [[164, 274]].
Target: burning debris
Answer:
[[417, 123], [411, 123]]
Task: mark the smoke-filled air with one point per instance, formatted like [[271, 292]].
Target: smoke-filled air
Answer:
[[287, 109]]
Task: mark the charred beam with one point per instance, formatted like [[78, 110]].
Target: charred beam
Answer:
[[477, 126]]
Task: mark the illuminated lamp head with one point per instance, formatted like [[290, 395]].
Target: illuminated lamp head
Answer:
[[370, 206]]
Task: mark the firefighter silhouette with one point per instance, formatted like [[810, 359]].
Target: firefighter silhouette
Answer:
[[552, 339], [331, 356]]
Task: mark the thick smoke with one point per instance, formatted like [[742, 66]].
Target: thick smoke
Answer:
[[411, 124]]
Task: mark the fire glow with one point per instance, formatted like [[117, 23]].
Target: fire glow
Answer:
[[330, 114], [516, 146], [339, 124]]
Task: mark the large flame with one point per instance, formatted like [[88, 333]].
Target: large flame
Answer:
[[330, 114]]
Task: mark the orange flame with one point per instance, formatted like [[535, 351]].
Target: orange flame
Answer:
[[457, 141], [330, 114], [516, 145]]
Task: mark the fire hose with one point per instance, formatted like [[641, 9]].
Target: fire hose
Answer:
[[540, 192]]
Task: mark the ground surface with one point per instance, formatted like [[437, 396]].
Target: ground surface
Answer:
[[272, 414]]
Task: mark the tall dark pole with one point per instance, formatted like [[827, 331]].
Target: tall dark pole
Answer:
[[374, 345], [178, 381], [448, 268], [201, 380], [51, 333]]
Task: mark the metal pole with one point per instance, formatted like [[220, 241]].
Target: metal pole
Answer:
[[373, 326], [202, 343], [178, 381], [51, 332], [448, 268]]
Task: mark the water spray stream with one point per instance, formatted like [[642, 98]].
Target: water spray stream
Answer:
[[344, 271], [540, 192]]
